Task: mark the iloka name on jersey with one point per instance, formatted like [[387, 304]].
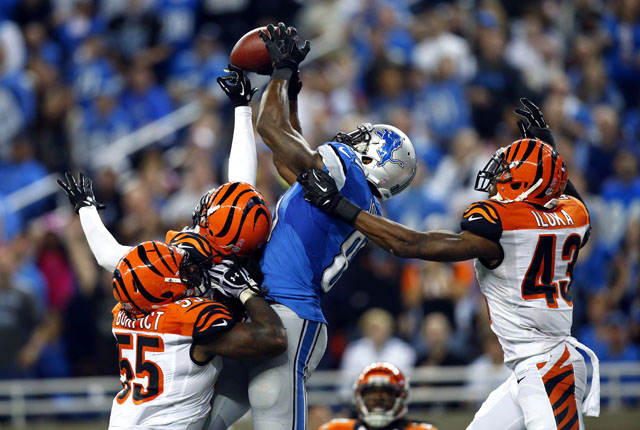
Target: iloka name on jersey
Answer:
[[553, 219], [149, 322]]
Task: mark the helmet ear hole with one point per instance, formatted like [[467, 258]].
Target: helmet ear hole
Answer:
[[516, 186], [366, 160]]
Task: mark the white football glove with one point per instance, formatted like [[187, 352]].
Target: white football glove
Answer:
[[232, 280]]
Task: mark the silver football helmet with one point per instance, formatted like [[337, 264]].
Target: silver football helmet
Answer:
[[387, 155]]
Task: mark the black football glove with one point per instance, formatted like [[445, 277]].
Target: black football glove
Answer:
[[233, 280], [321, 191], [236, 85], [80, 193], [283, 49], [535, 125]]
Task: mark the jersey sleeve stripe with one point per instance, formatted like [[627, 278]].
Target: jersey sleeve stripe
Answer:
[[334, 164], [484, 210]]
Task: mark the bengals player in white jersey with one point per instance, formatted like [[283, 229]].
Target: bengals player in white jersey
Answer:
[[381, 393], [171, 342], [525, 240]]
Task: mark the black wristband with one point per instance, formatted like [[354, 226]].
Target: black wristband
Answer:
[[282, 73], [346, 211]]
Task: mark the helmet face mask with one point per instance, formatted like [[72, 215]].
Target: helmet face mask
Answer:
[[491, 173], [386, 154], [527, 170], [381, 394]]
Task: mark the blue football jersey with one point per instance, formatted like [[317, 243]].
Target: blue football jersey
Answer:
[[309, 250]]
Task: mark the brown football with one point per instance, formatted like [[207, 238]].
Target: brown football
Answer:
[[250, 53]]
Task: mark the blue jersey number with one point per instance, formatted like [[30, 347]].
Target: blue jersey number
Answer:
[[350, 247]]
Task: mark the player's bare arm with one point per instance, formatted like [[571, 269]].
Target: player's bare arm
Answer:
[[295, 85], [320, 190], [432, 245], [289, 147], [263, 337]]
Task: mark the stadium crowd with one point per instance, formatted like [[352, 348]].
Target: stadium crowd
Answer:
[[76, 75]]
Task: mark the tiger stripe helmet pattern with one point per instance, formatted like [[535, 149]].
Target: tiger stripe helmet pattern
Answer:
[[527, 170], [149, 277], [235, 218]]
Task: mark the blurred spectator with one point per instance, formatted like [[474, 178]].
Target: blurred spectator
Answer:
[[77, 24], [143, 98], [20, 170], [135, 34], [619, 347], [496, 84], [535, 52], [594, 333], [104, 121], [92, 72], [177, 22], [488, 371], [622, 55], [436, 43], [376, 344], [19, 316], [454, 180], [622, 194], [445, 104], [439, 344], [602, 151], [197, 68]]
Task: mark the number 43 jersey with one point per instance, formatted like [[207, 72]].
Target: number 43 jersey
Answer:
[[309, 250], [528, 290], [164, 387]]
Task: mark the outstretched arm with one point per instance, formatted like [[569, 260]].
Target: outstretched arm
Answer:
[[289, 147], [243, 163], [432, 245], [103, 245], [321, 191]]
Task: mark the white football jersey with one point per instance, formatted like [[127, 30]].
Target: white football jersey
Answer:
[[164, 387], [528, 290]]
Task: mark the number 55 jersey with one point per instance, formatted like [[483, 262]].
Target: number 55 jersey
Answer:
[[528, 290], [164, 386]]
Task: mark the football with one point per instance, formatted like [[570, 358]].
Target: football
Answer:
[[250, 53]]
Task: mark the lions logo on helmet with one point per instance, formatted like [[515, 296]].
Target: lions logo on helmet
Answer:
[[387, 156], [386, 152]]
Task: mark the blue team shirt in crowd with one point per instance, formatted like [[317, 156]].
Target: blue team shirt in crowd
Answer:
[[309, 250]]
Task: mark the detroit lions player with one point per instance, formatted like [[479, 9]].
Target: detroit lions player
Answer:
[[307, 251]]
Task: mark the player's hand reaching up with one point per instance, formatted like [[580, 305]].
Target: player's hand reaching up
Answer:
[[237, 86], [282, 44], [80, 193], [232, 280], [320, 190], [533, 124]]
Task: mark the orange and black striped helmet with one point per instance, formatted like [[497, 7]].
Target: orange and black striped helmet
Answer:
[[527, 170], [235, 218], [154, 274]]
